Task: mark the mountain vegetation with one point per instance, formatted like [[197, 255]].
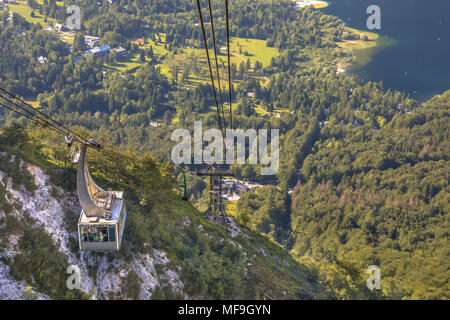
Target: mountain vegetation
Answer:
[[363, 176], [214, 264]]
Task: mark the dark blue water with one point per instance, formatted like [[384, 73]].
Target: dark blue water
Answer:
[[419, 62]]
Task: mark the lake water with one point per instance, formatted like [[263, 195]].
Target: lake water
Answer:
[[419, 61]]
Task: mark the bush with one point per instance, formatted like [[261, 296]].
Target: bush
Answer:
[[42, 265], [131, 286]]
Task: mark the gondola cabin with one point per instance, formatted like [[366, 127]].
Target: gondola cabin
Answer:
[[103, 214], [103, 233]]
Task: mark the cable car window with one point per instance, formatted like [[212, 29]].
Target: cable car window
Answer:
[[83, 233], [112, 234], [98, 234], [102, 234], [93, 234]]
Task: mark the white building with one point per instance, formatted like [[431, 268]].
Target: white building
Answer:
[[42, 59], [92, 42], [61, 27]]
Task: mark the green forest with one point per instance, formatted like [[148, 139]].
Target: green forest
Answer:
[[363, 176]]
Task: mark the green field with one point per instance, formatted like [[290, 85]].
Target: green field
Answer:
[[359, 44], [194, 60], [158, 47], [276, 110], [25, 12], [188, 58], [58, 3], [67, 37], [130, 64], [257, 51]]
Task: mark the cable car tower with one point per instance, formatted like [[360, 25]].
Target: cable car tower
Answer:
[[216, 171], [103, 214], [216, 208]]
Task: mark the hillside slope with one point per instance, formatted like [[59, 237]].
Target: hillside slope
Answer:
[[370, 196], [170, 251]]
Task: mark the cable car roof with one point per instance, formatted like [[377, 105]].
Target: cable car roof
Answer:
[[116, 207]]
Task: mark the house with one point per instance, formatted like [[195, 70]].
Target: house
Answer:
[[154, 124], [61, 27], [251, 94], [99, 51], [121, 52], [42, 59], [323, 123], [92, 42], [346, 35], [138, 41]]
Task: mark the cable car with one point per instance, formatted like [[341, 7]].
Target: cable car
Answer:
[[103, 213]]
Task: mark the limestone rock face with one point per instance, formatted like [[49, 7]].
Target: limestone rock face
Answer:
[[100, 277]]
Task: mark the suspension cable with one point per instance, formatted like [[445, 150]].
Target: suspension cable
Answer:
[[217, 63], [230, 85], [33, 117], [22, 114], [46, 124], [41, 113], [209, 64], [117, 154]]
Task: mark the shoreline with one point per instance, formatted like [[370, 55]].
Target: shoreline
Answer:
[[363, 49], [315, 3]]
